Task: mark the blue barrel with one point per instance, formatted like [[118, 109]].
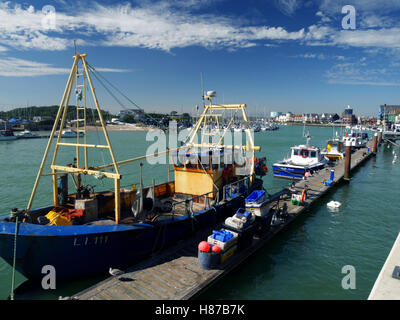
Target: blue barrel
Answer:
[[208, 260], [332, 175]]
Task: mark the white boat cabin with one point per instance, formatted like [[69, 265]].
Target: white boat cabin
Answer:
[[305, 156]]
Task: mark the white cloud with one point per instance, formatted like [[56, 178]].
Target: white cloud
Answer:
[[288, 7], [156, 26], [172, 24], [333, 7], [360, 73], [323, 17], [319, 56], [389, 38], [14, 67], [365, 83]]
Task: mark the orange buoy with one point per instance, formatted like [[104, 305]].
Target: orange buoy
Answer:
[[204, 246], [216, 249], [303, 195]]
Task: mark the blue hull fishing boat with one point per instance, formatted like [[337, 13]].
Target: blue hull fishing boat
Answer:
[[85, 233], [303, 159], [91, 249]]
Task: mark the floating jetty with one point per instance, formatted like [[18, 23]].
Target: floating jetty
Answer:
[[387, 285], [176, 274]]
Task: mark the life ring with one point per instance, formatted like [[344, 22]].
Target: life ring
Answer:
[[265, 168], [303, 195], [304, 153]]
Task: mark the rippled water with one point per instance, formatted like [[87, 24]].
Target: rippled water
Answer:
[[303, 262]]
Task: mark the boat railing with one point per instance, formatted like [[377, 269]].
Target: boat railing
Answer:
[[236, 188], [188, 203]]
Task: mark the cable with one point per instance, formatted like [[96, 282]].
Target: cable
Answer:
[[95, 73]]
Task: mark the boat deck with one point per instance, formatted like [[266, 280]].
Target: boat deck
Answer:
[[176, 275]]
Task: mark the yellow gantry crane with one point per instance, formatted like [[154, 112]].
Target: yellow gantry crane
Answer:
[[209, 118], [80, 168]]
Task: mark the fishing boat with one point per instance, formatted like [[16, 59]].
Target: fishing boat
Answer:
[[357, 139], [335, 149], [84, 233], [7, 135], [303, 158]]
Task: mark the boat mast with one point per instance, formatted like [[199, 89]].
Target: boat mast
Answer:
[[77, 169], [206, 118]]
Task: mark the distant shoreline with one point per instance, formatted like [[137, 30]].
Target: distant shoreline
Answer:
[[315, 124], [120, 127]]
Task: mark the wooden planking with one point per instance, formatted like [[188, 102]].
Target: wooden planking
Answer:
[[175, 274]]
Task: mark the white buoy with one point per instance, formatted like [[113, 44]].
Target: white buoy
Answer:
[[333, 204]]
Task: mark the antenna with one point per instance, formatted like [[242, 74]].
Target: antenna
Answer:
[[202, 87], [75, 45]]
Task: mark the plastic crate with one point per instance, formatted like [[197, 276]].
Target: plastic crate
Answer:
[[258, 210], [244, 213], [256, 196], [224, 245], [222, 235]]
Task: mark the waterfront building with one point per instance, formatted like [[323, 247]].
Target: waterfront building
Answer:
[[348, 117], [389, 114], [138, 115], [275, 114]]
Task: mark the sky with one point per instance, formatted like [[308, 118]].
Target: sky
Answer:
[[273, 55]]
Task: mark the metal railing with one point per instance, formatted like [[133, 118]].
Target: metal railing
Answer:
[[238, 187], [188, 203]]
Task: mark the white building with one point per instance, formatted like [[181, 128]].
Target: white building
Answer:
[[284, 117], [137, 114]]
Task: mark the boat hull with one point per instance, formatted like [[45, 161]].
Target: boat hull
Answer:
[[7, 138], [288, 171], [90, 250], [333, 157]]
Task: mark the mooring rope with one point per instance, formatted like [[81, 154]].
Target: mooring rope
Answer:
[[14, 259]]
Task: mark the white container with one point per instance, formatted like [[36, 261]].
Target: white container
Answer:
[[238, 221], [224, 245], [91, 209], [259, 210]]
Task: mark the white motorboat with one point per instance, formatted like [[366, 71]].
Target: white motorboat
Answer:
[[303, 159], [68, 133], [357, 139], [26, 134]]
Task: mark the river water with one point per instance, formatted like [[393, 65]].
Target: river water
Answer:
[[303, 262]]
